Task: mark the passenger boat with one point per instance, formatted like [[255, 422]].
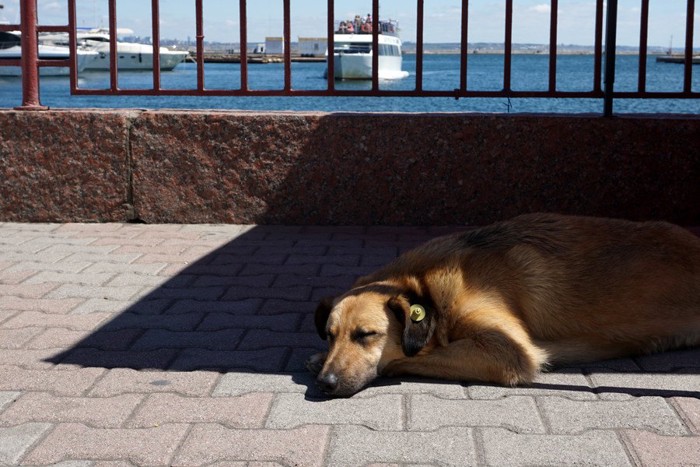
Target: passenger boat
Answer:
[[352, 54], [11, 49], [130, 55]]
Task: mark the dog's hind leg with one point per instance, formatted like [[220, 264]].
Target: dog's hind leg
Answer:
[[490, 356]]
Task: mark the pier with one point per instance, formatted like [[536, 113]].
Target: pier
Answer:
[[216, 57]]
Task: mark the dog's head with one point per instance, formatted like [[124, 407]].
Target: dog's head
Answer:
[[368, 327]]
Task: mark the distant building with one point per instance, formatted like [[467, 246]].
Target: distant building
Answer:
[[274, 45], [312, 46]]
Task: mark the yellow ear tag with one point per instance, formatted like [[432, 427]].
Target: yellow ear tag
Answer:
[[417, 313]]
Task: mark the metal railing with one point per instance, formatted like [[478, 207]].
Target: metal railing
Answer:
[[602, 85]]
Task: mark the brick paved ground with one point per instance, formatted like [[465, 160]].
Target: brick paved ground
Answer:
[[184, 345]]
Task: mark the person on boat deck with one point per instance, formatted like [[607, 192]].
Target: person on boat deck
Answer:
[[350, 28], [358, 23], [342, 27]]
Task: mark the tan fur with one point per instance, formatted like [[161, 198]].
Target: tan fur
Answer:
[[507, 300]]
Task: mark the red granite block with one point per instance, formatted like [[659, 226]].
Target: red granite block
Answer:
[[63, 166]]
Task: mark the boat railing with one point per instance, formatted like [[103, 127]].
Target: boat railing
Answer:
[[600, 86]]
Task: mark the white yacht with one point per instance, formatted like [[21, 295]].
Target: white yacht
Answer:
[[130, 55], [352, 54], [11, 49]]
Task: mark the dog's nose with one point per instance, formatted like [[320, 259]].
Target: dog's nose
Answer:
[[327, 382]]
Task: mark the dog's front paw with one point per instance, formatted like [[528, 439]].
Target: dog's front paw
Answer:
[[315, 362]]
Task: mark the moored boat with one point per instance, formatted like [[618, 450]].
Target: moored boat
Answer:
[[11, 49], [352, 54]]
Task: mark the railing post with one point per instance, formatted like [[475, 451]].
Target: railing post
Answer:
[[30, 57], [610, 46]]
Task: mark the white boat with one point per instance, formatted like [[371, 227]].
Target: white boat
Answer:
[[130, 55], [11, 49], [352, 54]]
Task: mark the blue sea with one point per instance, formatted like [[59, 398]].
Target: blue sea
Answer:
[[485, 72]]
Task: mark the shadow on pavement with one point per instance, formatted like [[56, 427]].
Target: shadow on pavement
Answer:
[[247, 307]]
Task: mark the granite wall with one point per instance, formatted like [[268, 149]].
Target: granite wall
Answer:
[[315, 168]]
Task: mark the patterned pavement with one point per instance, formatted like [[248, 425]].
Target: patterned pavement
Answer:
[[127, 344]]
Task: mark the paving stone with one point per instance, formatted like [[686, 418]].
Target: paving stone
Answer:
[[569, 385], [55, 277], [104, 305], [124, 381], [154, 339], [286, 293], [265, 360], [59, 382], [142, 359], [517, 413], [248, 411], [92, 291], [29, 359], [209, 443], [92, 411], [623, 386], [26, 290], [239, 307], [378, 413], [103, 340], [15, 441], [46, 305], [256, 339], [17, 338], [654, 449], [358, 445], [129, 320], [690, 411], [237, 383], [37, 319], [145, 446], [100, 266], [649, 413], [220, 321], [503, 447], [7, 397]]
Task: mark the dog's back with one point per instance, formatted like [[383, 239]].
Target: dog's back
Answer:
[[584, 288]]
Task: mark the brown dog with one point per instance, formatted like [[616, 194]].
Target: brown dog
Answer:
[[500, 303]]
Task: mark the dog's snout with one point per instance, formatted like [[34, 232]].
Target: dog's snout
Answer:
[[327, 382]]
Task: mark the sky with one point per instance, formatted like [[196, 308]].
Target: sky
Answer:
[[442, 19]]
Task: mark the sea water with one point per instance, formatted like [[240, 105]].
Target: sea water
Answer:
[[440, 72]]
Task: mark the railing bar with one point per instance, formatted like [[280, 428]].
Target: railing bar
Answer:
[[464, 46], [553, 45], [330, 48], [243, 19], [199, 19], [419, 44], [73, 45], [155, 20], [610, 49], [643, 41], [30, 57], [598, 48], [375, 45], [113, 78], [287, 46], [507, 59], [688, 76]]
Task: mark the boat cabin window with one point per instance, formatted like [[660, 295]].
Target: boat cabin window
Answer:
[[8, 40], [353, 47]]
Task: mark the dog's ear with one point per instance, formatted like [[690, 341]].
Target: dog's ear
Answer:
[[323, 310], [418, 319]]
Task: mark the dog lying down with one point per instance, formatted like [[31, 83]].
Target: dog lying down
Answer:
[[500, 303]]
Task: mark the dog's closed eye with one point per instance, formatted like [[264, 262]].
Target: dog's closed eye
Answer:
[[363, 336]]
